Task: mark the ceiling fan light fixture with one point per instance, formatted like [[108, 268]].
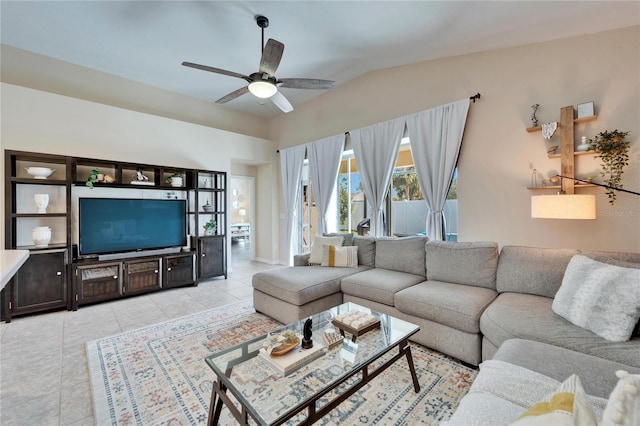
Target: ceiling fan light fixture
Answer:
[[263, 89]]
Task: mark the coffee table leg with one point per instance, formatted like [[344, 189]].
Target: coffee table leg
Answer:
[[215, 405], [416, 385]]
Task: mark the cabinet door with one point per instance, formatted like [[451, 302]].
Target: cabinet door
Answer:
[[211, 259], [40, 283], [98, 282], [142, 276], [179, 270]]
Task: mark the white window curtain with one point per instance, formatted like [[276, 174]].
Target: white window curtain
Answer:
[[324, 164], [291, 162], [376, 149], [435, 136]]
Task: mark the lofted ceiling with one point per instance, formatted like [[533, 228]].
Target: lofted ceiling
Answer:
[[146, 41]]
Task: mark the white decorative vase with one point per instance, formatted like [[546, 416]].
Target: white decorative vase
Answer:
[[584, 146], [41, 236], [42, 201], [176, 181]]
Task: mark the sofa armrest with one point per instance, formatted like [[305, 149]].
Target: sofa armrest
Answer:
[[301, 259]]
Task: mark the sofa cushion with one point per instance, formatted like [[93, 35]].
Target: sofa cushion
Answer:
[[623, 408], [340, 257], [602, 298], [455, 305], [318, 244], [525, 316], [347, 237], [378, 285], [567, 405], [301, 284], [613, 257], [532, 270], [404, 254], [470, 263], [366, 250], [597, 374]]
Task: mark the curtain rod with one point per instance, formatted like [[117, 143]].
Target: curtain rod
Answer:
[[471, 98]]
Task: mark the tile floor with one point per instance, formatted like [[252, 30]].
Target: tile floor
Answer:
[[44, 379]]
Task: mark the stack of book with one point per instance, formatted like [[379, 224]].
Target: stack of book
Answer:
[[297, 358]]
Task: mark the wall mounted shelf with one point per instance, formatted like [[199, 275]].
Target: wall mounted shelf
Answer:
[[575, 121], [567, 149]]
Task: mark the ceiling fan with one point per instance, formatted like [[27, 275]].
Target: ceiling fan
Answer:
[[263, 83]]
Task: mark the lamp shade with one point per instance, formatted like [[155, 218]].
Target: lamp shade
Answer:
[[563, 206], [263, 89]]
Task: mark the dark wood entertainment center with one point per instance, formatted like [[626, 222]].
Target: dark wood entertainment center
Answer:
[[56, 277]]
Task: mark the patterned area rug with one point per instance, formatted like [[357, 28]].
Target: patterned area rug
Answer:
[[157, 375]]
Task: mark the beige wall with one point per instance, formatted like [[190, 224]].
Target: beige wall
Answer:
[[497, 151], [44, 122]]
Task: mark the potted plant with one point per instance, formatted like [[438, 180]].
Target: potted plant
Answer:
[[613, 150], [93, 178], [210, 227], [175, 179]]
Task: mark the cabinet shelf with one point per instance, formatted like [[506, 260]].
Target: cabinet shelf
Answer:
[[49, 247], [17, 215], [30, 181]]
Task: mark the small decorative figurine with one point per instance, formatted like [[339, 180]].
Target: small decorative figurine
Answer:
[[307, 343], [140, 175], [534, 119]]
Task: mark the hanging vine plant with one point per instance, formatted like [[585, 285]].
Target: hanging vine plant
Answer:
[[613, 150]]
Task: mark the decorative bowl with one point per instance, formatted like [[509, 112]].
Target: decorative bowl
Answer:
[[39, 172]]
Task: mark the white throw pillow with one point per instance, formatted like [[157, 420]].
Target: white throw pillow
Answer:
[[340, 257], [568, 405], [602, 298], [623, 407], [316, 247]]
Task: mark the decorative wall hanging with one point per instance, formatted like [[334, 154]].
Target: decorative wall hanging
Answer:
[[549, 129]]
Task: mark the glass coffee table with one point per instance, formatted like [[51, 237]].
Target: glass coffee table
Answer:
[[304, 396]]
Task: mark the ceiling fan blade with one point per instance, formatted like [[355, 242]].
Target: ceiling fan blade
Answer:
[[281, 102], [231, 96], [216, 70], [271, 55], [306, 83]]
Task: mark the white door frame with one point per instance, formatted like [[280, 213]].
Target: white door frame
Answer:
[[252, 210]]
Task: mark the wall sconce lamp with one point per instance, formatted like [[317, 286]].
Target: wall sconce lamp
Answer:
[[568, 206]]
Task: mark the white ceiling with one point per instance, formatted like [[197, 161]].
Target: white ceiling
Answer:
[[147, 41]]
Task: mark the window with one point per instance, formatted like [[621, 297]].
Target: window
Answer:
[[351, 200], [406, 211], [307, 213]]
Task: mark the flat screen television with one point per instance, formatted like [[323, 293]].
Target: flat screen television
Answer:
[[116, 225]]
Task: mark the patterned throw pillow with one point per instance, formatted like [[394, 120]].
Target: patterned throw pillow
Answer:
[[316, 247], [568, 405], [602, 298], [340, 257], [623, 407]]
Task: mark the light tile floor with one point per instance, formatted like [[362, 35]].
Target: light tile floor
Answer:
[[44, 378]]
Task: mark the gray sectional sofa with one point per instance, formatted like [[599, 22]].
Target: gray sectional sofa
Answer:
[[469, 299]]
